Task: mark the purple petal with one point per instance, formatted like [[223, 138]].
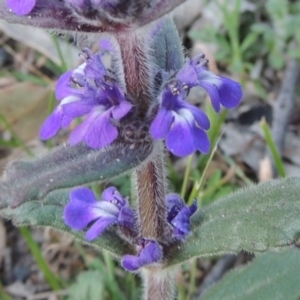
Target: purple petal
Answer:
[[179, 215], [77, 109], [63, 85], [106, 44], [21, 7], [151, 253], [201, 140], [162, 123], [78, 134], [111, 194], [131, 262], [182, 220], [94, 68], [174, 205], [108, 193], [188, 75], [213, 94], [193, 207], [98, 227], [114, 94], [96, 130], [52, 124], [180, 140], [126, 217], [230, 93], [80, 211], [121, 110], [173, 199], [169, 100], [101, 132], [83, 194], [200, 117]]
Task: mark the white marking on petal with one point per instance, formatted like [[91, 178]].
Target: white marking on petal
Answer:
[[80, 69], [210, 78], [69, 99], [186, 114], [106, 209]]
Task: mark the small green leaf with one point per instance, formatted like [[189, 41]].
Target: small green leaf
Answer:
[[167, 52], [49, 212], [67, 166], [273, 276], [89, 286], [249, 40], [255, 219]]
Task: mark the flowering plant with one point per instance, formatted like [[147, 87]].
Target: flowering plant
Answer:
[[127, 108]]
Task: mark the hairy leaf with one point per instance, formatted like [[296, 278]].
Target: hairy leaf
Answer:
[[49, 212], [255, 219], [167, 46], [65, 167], [273, 276]]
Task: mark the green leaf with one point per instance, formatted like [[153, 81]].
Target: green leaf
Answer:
[[167, 51], [67, 167], [49, 212], [249, 40], [273, 276], [255, 219], [89, 286]]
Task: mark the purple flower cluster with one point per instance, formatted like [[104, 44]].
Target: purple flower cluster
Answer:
[[149, 252], [84, 211], [182, 124], [90, 90], [179, 215]]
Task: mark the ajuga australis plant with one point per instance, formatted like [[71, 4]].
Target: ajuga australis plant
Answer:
[[134, 110]]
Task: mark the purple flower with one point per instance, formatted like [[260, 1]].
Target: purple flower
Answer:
[[179, 215], [21, 7], [221, 90], [183, 125], [149, 252], [84, 210], [91, 91]]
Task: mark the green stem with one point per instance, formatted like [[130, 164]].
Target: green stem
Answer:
[[192, 279], [186, 176], [52, 280], [198, 185], [109, 265], [275, 153], [63, 65]]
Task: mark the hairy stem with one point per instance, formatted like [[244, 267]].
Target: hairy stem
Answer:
[[158, 284], [134, 50], [150, 185], [149, 179]]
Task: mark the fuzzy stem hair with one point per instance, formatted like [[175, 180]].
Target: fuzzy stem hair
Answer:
[[149, 179]]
